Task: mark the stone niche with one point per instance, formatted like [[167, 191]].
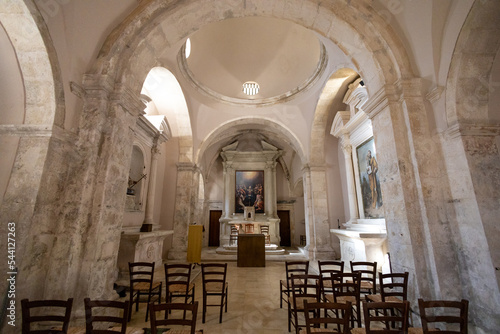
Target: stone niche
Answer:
[[259, 159], [135, 243], [364, 235]]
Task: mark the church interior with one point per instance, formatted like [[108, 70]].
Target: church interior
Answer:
[[353, 130]]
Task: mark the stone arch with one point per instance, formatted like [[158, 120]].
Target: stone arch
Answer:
[[472, 142], [281, 129], [345, 24], [468, 81], [42, 83], [323, 115], [162, 86]]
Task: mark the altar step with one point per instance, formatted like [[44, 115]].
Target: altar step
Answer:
[[233, 250]]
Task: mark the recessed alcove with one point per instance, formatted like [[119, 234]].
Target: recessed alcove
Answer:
[[250, 191]]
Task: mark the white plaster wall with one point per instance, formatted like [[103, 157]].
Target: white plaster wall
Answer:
[[11, 107], [167, 163], [78, 37], [214, 189], [494, 91], [336, 196], [282, 190], [300, 226]]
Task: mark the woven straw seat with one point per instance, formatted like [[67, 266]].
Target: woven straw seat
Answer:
[[179, 287], [144, 286], [378, 298]]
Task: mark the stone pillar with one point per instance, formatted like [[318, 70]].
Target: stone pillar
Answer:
[[83, 263], [150, 200], [415, 187], [270, 189], [229, 186], [183, 210], [317, 223], [351, 187]]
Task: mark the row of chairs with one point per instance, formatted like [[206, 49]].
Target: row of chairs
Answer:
[[367, 270], [248, 228], [178, 285], [102, 317], [386, 317], [333, 285]]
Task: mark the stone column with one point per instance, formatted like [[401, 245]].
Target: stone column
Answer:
[[150, 200], [270, 190], [317, 223], [351, 187], [183, 210]]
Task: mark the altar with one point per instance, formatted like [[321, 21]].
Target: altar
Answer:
[[250, 202]]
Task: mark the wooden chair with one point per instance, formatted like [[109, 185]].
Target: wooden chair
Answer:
[[337, 316], [384, 318], [304, 287], [264, 229], [291, 268], [178, 282], [249, 228], [174, 322], [215, 285], [98, 316], [142, 284], [44, 315], [368, 272], [445, 316], [393, 288], [233, 237], [326, 270], [346, 289]]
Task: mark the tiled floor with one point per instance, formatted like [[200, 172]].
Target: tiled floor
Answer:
[[253, 302]]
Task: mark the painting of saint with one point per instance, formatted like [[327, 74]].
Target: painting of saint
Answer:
[[369, 181], [249, 191]]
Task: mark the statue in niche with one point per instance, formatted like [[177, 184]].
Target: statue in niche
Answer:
[[132, 183]]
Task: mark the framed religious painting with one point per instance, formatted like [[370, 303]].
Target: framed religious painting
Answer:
[[369, 180], [249, 190]]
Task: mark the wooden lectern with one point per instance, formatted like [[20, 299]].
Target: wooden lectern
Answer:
[[251, 250], [195, 239]]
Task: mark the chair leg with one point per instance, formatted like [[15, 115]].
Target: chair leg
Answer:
[[289, 318], [204, 307], [226, 300], [221, 308], [131, 298], [281, 295]]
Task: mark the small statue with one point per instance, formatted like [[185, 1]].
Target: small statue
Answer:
[[132, 183]]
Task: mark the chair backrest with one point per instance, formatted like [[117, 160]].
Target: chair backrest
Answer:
[[214, 275], [393, 314], [393, 285], [304, 286], [141, 272], [178, 274], [346, 284], [328, 268], [295, 268], [234, 229], [100, 315], [335, 316], [368, 272], [45, 313], [450, 316], [264, 229], [177, 315]]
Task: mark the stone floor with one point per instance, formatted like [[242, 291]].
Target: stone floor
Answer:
[[253, 298]]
